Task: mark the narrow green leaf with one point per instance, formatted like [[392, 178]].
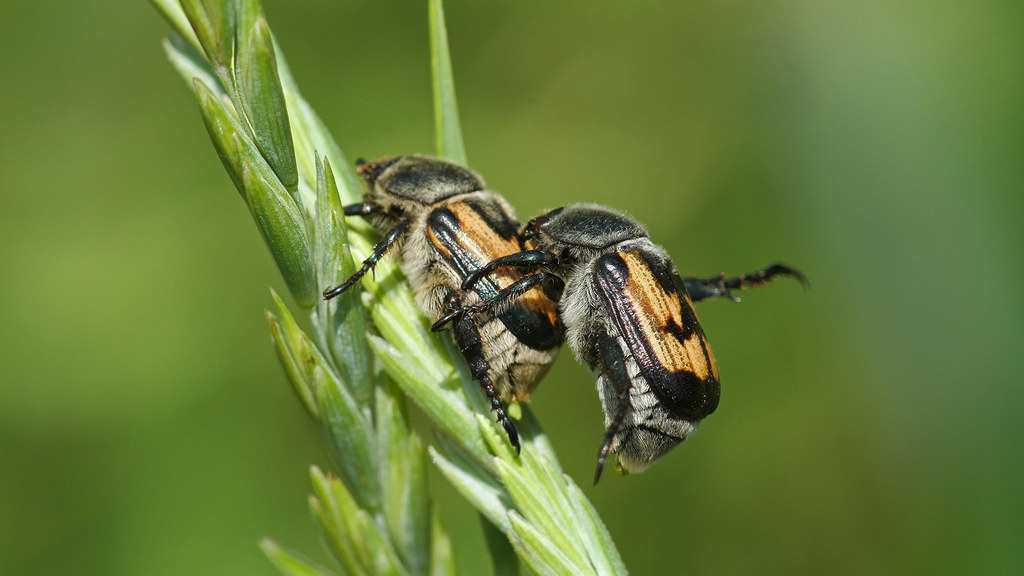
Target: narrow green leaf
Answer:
[[489, 499], [190, 64], [349, 429], [175, 16], [561, 510], [214, 23], [445, 407], [403, 479], [335, 512], [592, 531], [277, 216], [442, 561], [289, 563], [247, 12], [341, 321], [406, 329], [538, 503], [385, 559], [503, 555], [497, 442], [224, 130], [283, 228], [353, 528], [446, 115], [307, 161], [292, 368], [262, 99], [541, 447], [379, 556], [540, 553], [399, 320]]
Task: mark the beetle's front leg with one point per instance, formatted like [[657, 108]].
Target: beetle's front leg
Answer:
[[505, 295], [379, 250], [524, 259]]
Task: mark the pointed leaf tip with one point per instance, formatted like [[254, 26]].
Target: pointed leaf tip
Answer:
[[263, 103], [448, 131]]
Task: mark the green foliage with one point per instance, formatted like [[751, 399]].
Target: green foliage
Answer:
[[376, 515], [446, 117]]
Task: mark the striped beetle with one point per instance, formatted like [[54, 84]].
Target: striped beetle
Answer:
[[629, 317], [446, 225]]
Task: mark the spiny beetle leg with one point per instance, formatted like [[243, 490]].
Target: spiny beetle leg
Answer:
[[701, 288], [615, 371], [451, 310], [361, 209], [379, 250], [443, 322], [621, 409], [524, 259], [467, 337], [508, 294]]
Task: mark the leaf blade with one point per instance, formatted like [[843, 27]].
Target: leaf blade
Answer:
[[448, 131]]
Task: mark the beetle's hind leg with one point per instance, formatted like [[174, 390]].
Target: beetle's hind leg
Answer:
[[701, 288], [614, 373], [467, 337]]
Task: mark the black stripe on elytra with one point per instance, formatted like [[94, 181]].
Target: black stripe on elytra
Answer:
[[682, 393], [448, 232], [496, 218], [530, 327]]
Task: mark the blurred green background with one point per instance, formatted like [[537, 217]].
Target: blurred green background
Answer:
[[871, 425]]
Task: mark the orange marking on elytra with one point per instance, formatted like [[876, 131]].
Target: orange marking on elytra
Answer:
[[656, 310], [482, 240]]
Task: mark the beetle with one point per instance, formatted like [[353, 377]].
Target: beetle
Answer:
[[629, 317], [446, 224]]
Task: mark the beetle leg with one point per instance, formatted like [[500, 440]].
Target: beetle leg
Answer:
[[614, 371], [467, 337], [508, 294], [379, 250], [701, 288], [524, 259], [361, 209]]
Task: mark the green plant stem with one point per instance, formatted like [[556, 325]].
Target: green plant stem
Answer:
[[375, 515]]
